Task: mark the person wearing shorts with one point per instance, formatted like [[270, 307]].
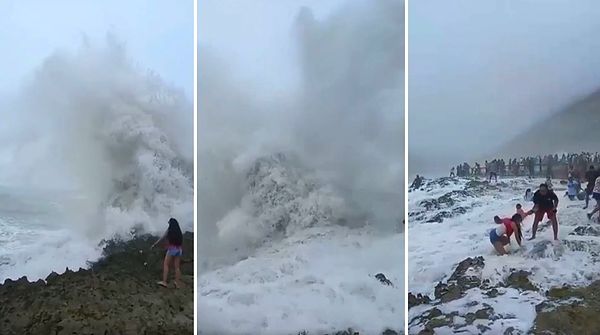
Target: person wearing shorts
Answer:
[[500, 236], [595, 196], [174, 251], [545, 202], [174, 238]]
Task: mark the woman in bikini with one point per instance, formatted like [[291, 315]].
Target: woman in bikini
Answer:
[[500, 236], [174, 239]]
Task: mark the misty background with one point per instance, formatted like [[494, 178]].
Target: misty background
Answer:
[[320, 81], [96, 100], [159, 36], [491, 78]]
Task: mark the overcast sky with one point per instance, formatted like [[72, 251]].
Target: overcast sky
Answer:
[[159, 35], [254, 37], [481, 72]]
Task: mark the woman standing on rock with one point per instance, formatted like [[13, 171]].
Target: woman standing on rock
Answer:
[[500, 236], [174, 238]]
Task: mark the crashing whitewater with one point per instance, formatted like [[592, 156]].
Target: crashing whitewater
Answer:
[[300, 265], [108, 146], [300, 194], [458, 283]]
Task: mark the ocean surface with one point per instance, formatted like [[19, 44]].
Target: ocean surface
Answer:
[[35, 237]]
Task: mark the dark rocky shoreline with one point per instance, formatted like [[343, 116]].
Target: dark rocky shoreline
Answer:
[[566, 310], [118, 294]]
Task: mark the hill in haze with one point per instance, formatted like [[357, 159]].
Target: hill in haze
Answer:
[[575, 128]]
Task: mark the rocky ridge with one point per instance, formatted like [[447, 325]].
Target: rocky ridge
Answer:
[[117, 294]]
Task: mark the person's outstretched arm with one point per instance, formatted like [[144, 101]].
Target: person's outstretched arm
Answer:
[[160, 239], [533, 210]]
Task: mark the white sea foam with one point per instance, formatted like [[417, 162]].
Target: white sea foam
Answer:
[[108, 144], [436, 248]]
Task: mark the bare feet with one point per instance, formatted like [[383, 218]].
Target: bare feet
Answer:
[[162, 283]]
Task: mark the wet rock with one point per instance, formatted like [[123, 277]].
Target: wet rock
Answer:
[[470, 318], [419, 299], [590, 247], [438, 322], [118, 295], [472, 303], [434, 313], [381, 277], [484, 313], [462, 269], [483, 329], [510, 331], [53, 275], [571, 311], [541, 249], [447, 293], [465, 276], [480, 186], [492, 293], [565, 292], [586, 231], [544, 306], [520, 280]]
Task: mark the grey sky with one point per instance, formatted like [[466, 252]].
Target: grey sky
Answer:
[[480, 72], [159, 35], [254, 37]]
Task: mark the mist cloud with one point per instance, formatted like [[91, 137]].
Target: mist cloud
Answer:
[[483, 72], [345, 122]]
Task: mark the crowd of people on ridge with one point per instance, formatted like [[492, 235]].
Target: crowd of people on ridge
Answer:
[[554, 166]]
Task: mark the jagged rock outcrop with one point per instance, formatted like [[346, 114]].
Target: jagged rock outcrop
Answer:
[[117, 295], [570, 311], [466, 276]]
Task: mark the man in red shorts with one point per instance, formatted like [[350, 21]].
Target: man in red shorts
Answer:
[[545, 202]]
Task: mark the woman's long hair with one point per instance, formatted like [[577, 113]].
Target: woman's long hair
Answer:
[[174, 234]]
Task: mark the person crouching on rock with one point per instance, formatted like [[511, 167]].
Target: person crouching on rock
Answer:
[[500, 236], [174, 239]]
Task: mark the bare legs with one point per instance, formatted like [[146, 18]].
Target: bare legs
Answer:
[[165, 276], [555, 227], [499, 245], [537, 220], [177, 261], [587, 199]]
